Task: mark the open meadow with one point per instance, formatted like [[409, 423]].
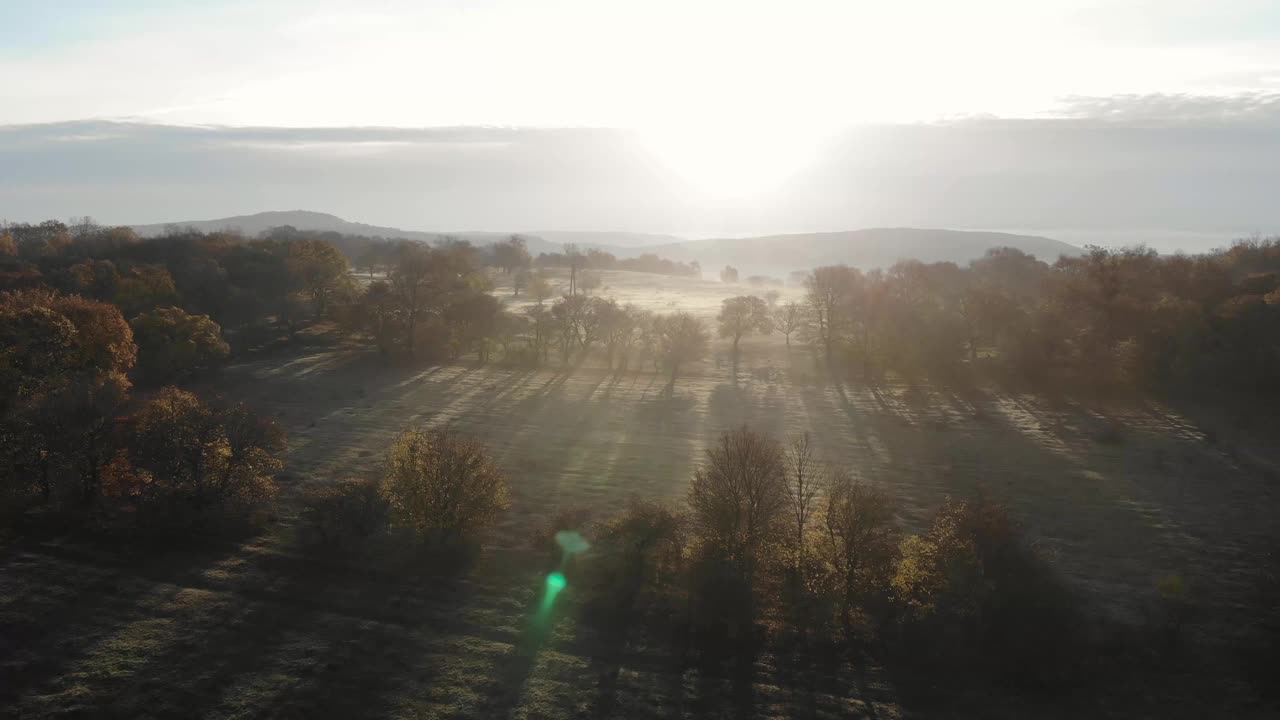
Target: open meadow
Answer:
[[1119, 494]]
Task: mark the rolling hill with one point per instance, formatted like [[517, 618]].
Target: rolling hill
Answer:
[[767, 254], [257, 223], [866, 249]]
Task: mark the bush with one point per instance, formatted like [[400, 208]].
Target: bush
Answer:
[[347, 513], [442, 485]]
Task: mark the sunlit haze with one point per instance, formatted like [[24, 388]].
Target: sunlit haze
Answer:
[[734, 106]]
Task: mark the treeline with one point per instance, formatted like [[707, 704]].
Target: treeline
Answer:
[[74, 436], [184, 291], [595, 259], [1175, 323], [435, 304], [771, 547]]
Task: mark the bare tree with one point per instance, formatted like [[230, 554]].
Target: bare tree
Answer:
[[859, 540], [788, 319], [575, 259], [806, 478], [831, 293], [738, 496]]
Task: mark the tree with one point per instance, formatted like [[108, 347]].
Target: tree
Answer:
[[542, 331], [473, 319], [617, 325], [805, 479], [519, 280], [62, 376], [318, 269], [738, 496], [575, 259], [740, 316], [145, 287], [174, 345], [831, 293], [378, 310], [589, 280], [511, 254], [682, 338], [8, 246], [788, 319], [370, 259], [859, 539], [729, 274], [442, 485], [199, 456]]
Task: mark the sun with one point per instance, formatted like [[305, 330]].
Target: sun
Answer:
[[733, 158]]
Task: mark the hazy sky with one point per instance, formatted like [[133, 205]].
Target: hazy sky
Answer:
[[729, 110]]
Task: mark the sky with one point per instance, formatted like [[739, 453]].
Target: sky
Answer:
[[719, 115]]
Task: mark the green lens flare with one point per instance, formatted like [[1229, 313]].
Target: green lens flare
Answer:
[[555, 582]]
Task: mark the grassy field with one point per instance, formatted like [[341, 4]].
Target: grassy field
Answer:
[[1118, 495]]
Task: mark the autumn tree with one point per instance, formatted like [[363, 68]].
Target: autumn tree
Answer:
[[743, 315], [174, 345], [63, 374], [443, 485], [192, 455], [145, 287], [8, 246], [318, 269]]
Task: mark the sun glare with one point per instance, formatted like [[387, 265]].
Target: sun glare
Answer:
[[733, 159]]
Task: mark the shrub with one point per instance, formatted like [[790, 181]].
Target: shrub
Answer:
[[442, 485], [346, 513]]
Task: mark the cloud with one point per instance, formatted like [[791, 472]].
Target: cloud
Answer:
[[1133, 165], [1158, 109]]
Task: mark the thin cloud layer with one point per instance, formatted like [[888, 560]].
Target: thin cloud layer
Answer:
[[1201, 179]]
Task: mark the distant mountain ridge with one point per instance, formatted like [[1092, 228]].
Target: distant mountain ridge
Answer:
[[767, 254]]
